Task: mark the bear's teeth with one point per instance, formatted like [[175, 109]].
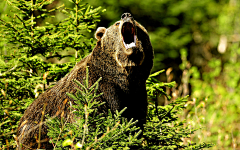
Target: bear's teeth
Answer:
[[127, 46], [133, 44]]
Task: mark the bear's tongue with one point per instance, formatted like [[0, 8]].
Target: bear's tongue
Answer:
[[128, 34]]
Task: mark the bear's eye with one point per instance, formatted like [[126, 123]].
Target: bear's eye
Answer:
[[117, 24]]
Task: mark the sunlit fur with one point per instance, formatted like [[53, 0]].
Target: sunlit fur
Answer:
[[124, 73]]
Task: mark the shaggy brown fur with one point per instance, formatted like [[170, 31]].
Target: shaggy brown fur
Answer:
[[123, 57]]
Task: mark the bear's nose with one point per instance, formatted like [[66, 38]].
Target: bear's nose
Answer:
[[126, 15]]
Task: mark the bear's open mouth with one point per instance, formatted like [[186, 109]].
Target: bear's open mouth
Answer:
[[128, 35]]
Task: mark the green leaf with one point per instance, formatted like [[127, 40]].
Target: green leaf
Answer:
[[78, 145], [156, 73], [67, 142], [87, 10]]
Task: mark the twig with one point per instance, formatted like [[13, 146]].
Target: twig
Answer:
[[85, 125], [61, 130], [1, 74]]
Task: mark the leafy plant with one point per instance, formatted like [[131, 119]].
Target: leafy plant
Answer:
[[26, 68], [215, 102], [164, 129], [89, 128]]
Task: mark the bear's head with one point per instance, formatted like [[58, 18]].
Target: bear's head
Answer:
[[126, 41]]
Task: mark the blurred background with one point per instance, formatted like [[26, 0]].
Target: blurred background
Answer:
[[197, 43]]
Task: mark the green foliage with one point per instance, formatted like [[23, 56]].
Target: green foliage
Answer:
[[195, 31], [215, 88], [164, 129], [40, 43], [154, 87], [91, 129], [216, 101], [28, 49], [173, 25]]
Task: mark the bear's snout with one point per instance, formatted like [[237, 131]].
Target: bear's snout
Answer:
[[126, 15]]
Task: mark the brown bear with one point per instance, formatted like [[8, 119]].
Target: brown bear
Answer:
[[123, 57]]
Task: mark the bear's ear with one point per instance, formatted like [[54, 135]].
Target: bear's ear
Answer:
[[99, 33]]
